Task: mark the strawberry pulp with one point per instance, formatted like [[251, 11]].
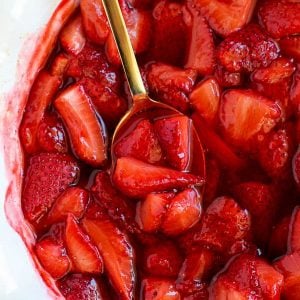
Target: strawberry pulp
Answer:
[[150, 222]]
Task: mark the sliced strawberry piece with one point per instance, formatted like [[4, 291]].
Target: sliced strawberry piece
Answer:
[[296, 167], [53, 257], [51, 134], [137, 179], [59, 65], [226, 17], [84, 255], [244, 114], [94, 20], [171, 85], [158, 289], [280, 18], [295, 92], [141, 143], [85, 131], [72, 36], [294, 232], [174, 135], [42, 92], [48, 175], [290, 46], [162, 260], [117, 253], [228, 79], [150, 212], [247, 49], [201, 47], [205, 99], [183, 212]]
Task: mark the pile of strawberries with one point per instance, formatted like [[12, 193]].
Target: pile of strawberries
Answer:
[[153, 221]]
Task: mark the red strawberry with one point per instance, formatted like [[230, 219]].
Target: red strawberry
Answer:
[[158, 289], [85, 131], [117, 253], [162, 260], [183, 212], [280, 18], [290, 46], [84, 255], [226, 17], [228, 79], [171, 85], [94, 20], [51, 134], [73, 200], [137, 179], [48, 175], [247, 49], [41, 94], [296, 167], [201, 48], [141, 143], [205, 99], [244, 114], [294, 232], [53, 257], [150, 212], [295, 92], [174, 135], [59, 65], [72, 36]]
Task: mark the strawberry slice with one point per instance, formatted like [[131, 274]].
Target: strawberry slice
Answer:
[[201, 47], [117, 253], [296, 167], [84, 255], [59, 65], [141, 143], [162, 260], [290, 46], [42, 92], [137, 179], [183, 212], [226, 17], [47, 176], [51, 134], [280, 18], [85, 131], [244, 114], [150, 212], [294, 232], [174, 135], [94, 20], [72, 36], [247, 49], [171, 85], [158, 289], [73, 200], [53, 257], [205, 99]]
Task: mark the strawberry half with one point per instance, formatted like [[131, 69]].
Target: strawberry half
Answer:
[[42, 92], [84, 255], [141, 143], [117, 253], [47, 176], [294, 232], [137, 179], [84, 128], [174, 135]]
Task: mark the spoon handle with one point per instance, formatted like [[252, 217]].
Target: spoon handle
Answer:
[[118, 27]]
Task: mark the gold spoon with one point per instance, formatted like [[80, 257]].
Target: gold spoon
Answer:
[[142, 103]]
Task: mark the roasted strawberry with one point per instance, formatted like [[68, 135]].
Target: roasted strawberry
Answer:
[[228, 79], [84, 128], [296, 167], [72, 36], [174, 135], [53, 257], [48, 175], [141, 143], [247, 49], [59, 65], [183, 212], [226, 17], [112, 243], [171, 85], [201, 48], [294, 232], [42, 92], [205, 99], [280, 18], [290, 46], [137, 179]]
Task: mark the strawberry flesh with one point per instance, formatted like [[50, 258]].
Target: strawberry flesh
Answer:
[[296, 167], [294, 232]]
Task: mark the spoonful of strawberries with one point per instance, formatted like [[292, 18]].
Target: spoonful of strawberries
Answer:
[[188, 159]]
